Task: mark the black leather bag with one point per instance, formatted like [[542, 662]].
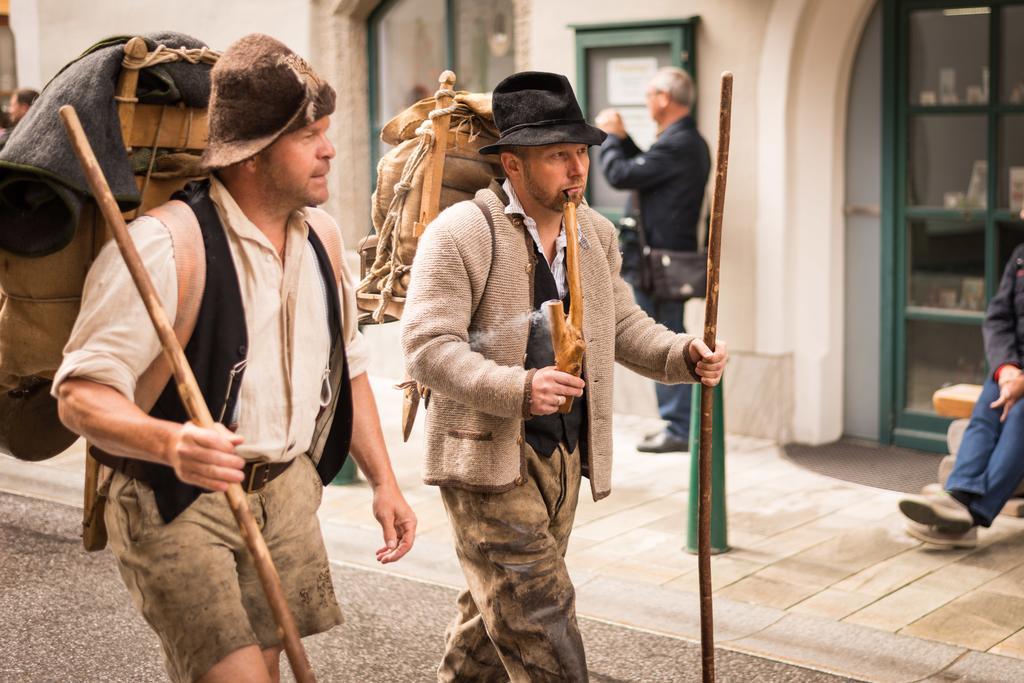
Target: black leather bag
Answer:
[[676, 275], [664, 274]]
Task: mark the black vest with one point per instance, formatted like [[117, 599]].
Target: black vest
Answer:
[[545, 432], [217, 348]]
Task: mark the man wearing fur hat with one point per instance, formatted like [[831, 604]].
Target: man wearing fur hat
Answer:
[[508, 464], [278, 357]]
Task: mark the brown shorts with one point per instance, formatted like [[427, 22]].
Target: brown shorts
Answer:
[[194, 581]]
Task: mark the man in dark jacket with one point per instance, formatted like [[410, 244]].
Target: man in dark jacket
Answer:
[[990, 462], [668, 182]]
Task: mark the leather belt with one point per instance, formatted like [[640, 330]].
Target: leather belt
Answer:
[[256, 474], [259, 474]]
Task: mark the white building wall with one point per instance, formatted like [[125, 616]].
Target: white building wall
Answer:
[[67, 28], [24, 19], [782, 270], [729, 37], [782, 267], [808, 152]]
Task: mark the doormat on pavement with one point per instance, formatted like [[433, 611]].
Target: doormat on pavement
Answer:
[[870, 464]]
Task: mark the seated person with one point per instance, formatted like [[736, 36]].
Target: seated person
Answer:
[[990, 461]]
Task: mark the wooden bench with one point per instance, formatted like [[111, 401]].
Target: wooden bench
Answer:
[[957, 401]]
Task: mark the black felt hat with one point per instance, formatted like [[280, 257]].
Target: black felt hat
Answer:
[[533, 108]]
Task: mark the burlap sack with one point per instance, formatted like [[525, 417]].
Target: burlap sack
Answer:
[[475, 106], [400, 173]]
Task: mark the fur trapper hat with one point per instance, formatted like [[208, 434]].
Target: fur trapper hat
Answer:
[[259, 91]]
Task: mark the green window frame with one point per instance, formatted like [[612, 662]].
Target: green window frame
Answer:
[[677, 33], [899, 425], [373, 25]]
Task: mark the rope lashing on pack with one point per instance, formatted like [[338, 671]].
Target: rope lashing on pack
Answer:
[[164, 55], [388, 268], [392, 267]]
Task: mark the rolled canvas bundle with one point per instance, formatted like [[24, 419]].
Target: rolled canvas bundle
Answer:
[[398, 199]]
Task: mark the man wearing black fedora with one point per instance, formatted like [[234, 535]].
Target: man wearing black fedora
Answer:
[[508, 464]]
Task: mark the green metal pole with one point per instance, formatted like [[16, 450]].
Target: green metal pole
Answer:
[[347, 474], [719, 530]]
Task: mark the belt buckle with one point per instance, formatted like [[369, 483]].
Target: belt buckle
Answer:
[[258, 477]]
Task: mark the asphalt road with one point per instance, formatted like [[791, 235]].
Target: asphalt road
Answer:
[[65, 616]]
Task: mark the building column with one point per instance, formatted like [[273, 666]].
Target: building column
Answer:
[[803, 86], [339, 48]]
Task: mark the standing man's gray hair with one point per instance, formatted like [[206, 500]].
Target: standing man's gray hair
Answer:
[[677, 83]]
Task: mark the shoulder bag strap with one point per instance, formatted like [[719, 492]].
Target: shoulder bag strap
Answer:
[[638, 216]]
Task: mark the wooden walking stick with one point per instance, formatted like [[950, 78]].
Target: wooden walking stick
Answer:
[[567, 331], [191, 397], [707, 396]]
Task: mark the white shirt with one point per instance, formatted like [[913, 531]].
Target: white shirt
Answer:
[[113, 340], [557, 265]]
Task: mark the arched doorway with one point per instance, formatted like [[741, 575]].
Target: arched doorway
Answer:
[[863, 241]]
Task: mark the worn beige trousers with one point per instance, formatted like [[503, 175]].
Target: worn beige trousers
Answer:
[[517, 620], [194, 581]]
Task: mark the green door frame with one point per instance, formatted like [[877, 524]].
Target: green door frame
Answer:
[[373, 68], [677, 33], [908, 428]]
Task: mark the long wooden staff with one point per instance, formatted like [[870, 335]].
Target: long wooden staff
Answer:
[[191, 397], [707, 396], [567, 334]]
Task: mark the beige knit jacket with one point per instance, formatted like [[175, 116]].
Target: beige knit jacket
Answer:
[[464, 334]]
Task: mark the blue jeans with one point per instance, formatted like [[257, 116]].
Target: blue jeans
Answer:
[[673, 399], [990, 462]]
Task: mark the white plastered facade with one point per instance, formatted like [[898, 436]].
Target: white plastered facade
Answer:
[[782, 288]]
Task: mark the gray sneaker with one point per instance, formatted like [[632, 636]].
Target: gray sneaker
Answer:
[[943, 537], [937, 509], [663, 442]]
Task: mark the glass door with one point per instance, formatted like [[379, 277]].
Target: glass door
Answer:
[[410, 42], [614, 62], [957, 109]]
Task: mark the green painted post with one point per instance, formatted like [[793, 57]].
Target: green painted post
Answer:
[[347, 474], [719, 530]]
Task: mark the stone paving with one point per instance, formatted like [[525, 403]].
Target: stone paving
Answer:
[[819, 571]]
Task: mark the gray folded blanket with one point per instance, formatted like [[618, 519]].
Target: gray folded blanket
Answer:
[[42, 187]]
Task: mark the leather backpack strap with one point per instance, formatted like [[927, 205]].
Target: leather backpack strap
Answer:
[[486, 211], [320, 222], [325, 228], [190, 268]]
